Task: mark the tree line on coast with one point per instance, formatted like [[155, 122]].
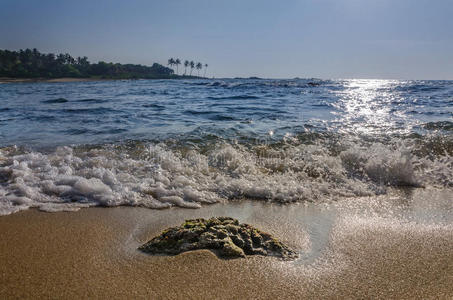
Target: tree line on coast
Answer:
[[30, 63], [176, 62]]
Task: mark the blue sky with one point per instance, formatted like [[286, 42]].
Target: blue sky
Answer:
[[403, 39]]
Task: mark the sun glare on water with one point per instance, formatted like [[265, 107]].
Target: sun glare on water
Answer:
[[368, 107]]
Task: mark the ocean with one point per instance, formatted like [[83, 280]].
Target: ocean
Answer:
[[190, 143]]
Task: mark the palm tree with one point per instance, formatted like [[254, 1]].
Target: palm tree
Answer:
[[199, 67], [192, 65], [186, 64], [84, 61], [60, 58], [69, 59], [171, 62], [177, 63], [205, 68]]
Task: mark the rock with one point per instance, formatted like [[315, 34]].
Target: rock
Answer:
[[223, 235], [229, 249]]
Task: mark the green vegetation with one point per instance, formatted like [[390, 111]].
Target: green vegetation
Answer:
[[30, 63]]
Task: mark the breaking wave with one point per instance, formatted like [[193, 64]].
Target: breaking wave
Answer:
[[164, 175]]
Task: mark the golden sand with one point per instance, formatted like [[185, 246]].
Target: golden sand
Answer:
[[344, 254]]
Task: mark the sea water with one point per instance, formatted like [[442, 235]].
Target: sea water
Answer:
[[188, 143]]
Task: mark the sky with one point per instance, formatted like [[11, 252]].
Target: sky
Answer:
[[391, 39]]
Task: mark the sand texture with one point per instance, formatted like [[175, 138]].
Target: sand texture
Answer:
[[400, 248]]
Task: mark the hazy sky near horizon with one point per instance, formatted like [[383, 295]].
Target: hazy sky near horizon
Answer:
[[402, 39]]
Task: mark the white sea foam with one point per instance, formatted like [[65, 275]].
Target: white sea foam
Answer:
[[158, 177]]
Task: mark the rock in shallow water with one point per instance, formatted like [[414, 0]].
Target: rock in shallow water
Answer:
[[224, 235]]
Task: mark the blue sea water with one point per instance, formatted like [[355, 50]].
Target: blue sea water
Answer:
[[42, 114], [160, 143]]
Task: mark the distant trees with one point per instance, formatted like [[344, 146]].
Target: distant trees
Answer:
[[177, 63], [32, 64], [191, 64], [171, 62], [199, 66], [186, 64]]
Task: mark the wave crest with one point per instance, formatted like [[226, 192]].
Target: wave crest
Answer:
[[160, 176]]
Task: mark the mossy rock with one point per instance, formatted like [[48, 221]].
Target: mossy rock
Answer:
[[223, 235]]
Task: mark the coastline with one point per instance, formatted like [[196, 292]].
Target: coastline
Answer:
[[49, 80], [76, 79], [93, 253]]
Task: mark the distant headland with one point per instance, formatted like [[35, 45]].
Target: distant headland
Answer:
[[32, 65]]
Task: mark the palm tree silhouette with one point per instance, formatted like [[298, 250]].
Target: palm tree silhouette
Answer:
[[205, 68], [171, 62], [177, 63], [186, 64], [192, 65], [199, 67]]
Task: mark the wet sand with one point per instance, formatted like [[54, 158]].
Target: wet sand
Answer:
[[388, 247]]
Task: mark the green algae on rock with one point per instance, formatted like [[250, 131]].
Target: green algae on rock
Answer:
[[223, 235]]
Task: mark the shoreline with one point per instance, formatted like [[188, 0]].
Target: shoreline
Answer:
[[75, 79], [50, 80], [345, 253]]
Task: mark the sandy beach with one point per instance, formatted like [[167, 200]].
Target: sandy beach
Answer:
[[384, 251], [226, 150]]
